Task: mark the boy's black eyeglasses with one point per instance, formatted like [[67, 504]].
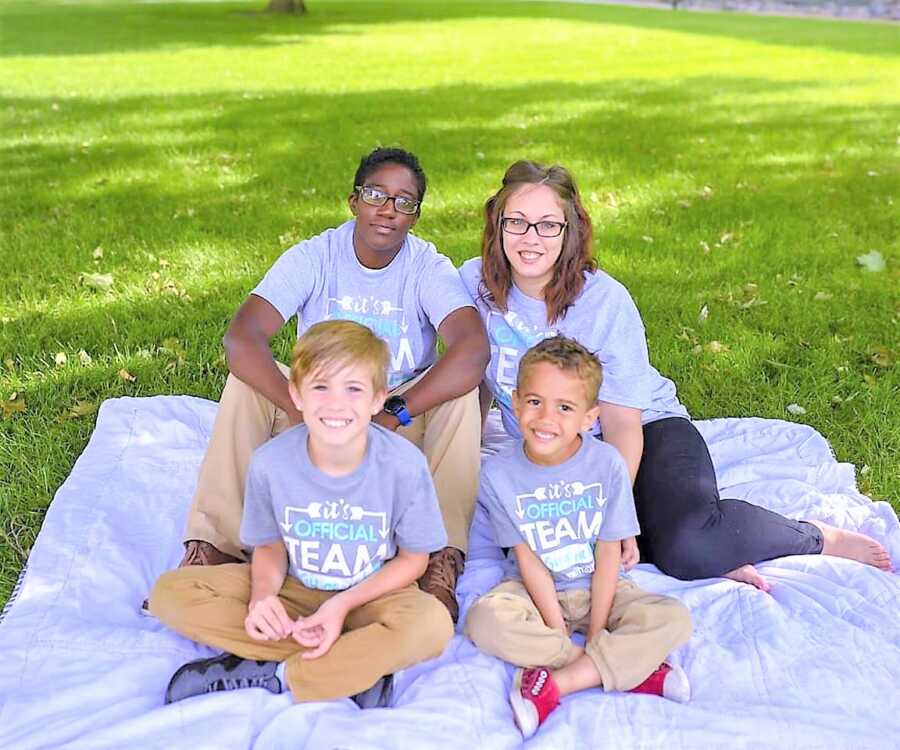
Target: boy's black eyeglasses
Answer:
[[375, 197], [514, 225]]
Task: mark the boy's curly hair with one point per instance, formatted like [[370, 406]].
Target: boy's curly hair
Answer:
[[569, 356]]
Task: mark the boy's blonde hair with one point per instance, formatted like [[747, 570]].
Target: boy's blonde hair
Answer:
[[333, 344], [569, 356]]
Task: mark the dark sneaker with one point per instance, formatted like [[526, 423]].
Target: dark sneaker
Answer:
[[377, 696], [198, 552], [444, 567], [534, 696], [225, 672], [667, 681]]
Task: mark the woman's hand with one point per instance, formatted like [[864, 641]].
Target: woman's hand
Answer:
[[631, 556]]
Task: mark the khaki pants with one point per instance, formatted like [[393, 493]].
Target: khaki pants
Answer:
[[642, 630], [449, 435], [208, 604]]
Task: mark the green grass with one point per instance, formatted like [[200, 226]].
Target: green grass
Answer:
[[192, 142]]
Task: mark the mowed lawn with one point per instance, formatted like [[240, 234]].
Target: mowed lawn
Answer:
[[155, 158]]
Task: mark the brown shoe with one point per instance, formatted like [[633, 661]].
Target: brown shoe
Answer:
[[197, 552], [444, 567]]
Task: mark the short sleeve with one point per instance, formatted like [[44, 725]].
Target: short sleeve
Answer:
[[290, 281], [258, 523], [505, 531], [441, 290], [627, 375], [419, 526], [619, 515], [470, 275]]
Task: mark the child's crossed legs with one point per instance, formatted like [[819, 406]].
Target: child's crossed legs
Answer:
[[395, 631]]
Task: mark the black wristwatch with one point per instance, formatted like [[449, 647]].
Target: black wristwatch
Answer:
[[396, 406]]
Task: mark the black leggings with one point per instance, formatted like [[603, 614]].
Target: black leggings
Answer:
[[686, 530]]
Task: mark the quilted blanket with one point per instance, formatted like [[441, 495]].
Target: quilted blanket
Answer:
[[813, 664]]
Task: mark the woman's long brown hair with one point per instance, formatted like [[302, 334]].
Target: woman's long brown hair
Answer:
[[576, 255]]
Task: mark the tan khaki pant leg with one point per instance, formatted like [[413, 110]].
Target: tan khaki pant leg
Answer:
[[392, 632], [643, 629], [244, 421], [505, 623], [450, 437], [208, 604]]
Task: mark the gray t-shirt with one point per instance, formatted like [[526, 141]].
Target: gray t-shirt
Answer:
[[404, 303], [603, 319], [340, 530], [559, 511]]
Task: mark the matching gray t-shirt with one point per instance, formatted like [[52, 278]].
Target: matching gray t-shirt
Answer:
[[559, 511], [404, 303], [604, 320], [340, 530]]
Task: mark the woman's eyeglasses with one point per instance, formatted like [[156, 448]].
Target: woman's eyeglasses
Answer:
[[515, 225]]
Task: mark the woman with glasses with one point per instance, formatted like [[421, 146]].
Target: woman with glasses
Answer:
[[373, 271], [537, 277]]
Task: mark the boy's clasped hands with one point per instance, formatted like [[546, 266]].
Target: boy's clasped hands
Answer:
[[268, 620]]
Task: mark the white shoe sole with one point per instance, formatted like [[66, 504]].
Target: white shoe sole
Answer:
[[524, 711]]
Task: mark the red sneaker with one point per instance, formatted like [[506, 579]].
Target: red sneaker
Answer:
[[667, 681], [533, 696]]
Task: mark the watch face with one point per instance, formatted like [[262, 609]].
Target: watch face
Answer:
[[394, 404]]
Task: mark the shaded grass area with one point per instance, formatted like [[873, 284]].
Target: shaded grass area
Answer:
[[733, 164]]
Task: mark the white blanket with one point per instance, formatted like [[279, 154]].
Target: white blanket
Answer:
[[816, 664]]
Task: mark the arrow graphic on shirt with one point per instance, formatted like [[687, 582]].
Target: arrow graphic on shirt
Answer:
[[541, 494], [356, 513]]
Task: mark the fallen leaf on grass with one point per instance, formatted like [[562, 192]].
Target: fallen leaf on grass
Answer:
[[823, 296], [647, 238], [795, 409], [870, 380], [84, 357], [872, 261], [13, 405], [174, 346], [125, 375], [81, 409], [60, 358], [713, 347], [97, 280], [882, 356], [98, 252]]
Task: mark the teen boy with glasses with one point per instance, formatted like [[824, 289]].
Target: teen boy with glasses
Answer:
[[372, 271]]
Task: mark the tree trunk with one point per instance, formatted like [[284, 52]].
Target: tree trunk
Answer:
[[286, 6]]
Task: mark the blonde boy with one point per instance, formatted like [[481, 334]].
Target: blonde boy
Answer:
[[341, 515], [562, 502]]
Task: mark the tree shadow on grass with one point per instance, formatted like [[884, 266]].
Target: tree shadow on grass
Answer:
[[114, 27], [232, 189], [664, 152]]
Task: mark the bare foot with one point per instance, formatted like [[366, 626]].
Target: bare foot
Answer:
[[853, 545], [748, 574]]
